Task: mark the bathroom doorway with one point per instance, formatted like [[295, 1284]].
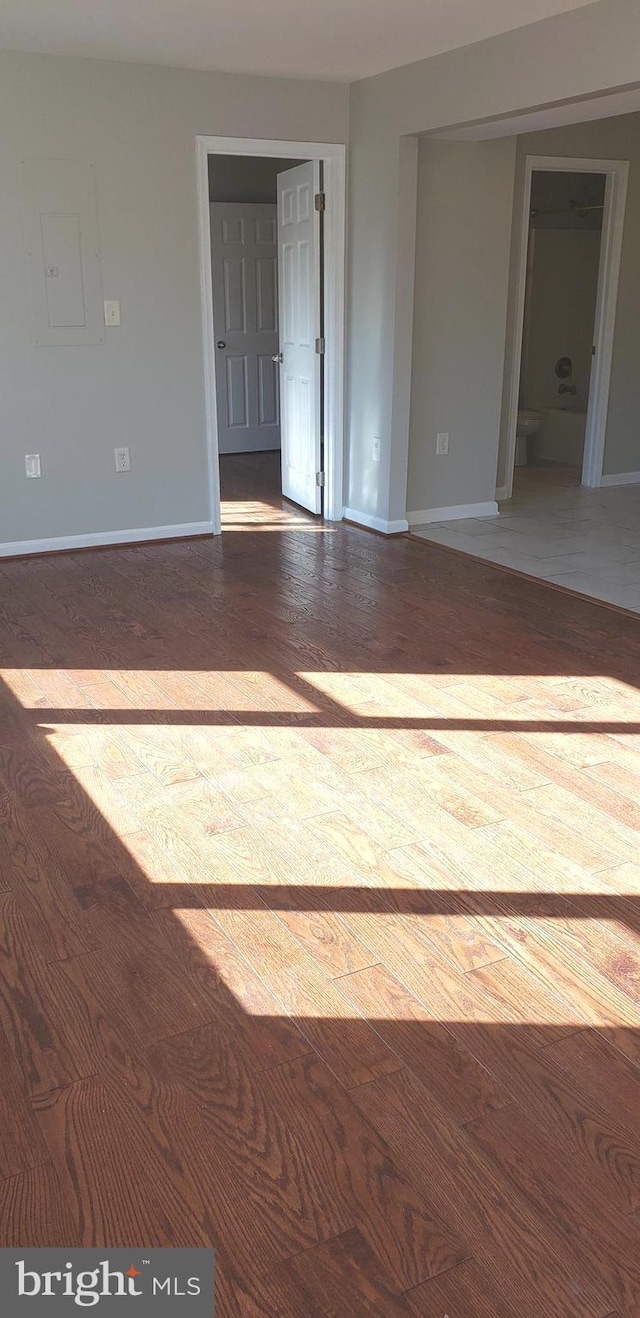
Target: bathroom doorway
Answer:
[[570, 249]]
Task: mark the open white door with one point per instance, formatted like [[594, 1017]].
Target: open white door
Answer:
[[300, 363]]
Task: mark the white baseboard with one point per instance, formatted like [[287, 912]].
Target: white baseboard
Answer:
[[96, 539], [453, 513], [376, 523], [622, 478]]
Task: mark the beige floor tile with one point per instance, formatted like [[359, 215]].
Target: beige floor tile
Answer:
[[555, 529]]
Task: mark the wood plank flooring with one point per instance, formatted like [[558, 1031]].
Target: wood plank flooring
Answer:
[[320, 920]]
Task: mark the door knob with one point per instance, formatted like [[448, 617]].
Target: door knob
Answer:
[[278, 357], [221, 343]]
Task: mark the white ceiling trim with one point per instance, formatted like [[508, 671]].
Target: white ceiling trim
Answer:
[[550, 116]]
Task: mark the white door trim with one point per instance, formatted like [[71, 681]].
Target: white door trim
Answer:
[[334, 157], [617, 174]]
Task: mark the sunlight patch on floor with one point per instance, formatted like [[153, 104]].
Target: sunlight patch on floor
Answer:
[[259, 515], [337, 835]]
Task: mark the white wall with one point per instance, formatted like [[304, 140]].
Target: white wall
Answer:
[[465, 192], [591, 50], [144, 387], [603, 139]]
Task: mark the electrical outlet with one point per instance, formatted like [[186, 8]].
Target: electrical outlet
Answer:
[[375, 452], [442, 443], [32, 465], [123, 459]]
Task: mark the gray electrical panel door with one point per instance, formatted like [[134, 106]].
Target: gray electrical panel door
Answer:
[[63, 253]]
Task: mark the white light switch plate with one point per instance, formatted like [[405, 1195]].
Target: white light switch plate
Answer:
[[32, 465], [112, 313]]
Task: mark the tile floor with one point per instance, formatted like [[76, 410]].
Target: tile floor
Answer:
[[555, 529]]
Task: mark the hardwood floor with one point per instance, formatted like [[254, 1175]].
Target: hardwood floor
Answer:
[[320, 934]]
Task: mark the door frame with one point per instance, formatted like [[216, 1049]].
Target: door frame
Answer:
[[333, 156], [613, 216]]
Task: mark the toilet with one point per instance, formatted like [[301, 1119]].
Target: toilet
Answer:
[[528, 424]]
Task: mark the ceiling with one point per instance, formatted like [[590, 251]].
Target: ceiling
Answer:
[[339, 39]]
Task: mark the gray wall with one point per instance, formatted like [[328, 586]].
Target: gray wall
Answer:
[[246, 178], [593, 49], [143, 387], [465, 192], [604, 139]]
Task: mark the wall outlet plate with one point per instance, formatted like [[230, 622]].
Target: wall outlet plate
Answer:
[[442, 443], [375, 450], [123, 459]]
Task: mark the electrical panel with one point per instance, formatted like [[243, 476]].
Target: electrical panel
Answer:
[[64, 273]]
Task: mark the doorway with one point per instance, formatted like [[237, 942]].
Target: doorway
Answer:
[[246, 194], [273, 346], [567, 280]]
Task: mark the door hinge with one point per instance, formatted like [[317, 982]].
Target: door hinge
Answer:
[[320, 479], [320, 347], [320, 201]]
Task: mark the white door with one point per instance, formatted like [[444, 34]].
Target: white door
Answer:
[[299, 301], [244, 263]]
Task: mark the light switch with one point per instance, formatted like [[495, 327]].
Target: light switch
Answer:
[[32, 464], [112, 313]]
